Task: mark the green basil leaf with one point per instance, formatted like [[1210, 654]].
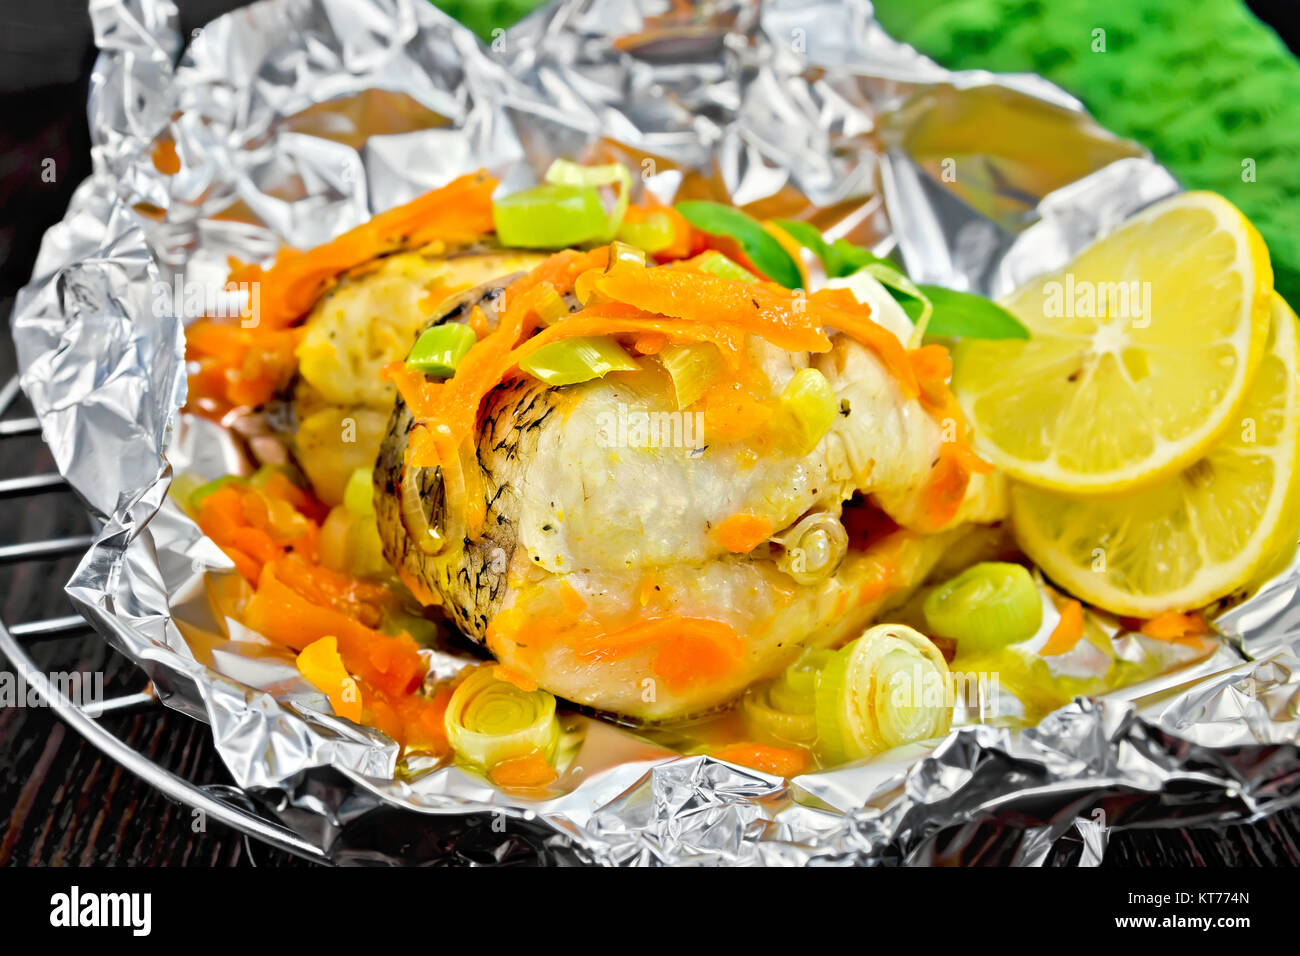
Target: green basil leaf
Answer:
[[941, 313], [968, 316], [808, 236], [767, 255], [847, 258], [839, 258], [888, 275]]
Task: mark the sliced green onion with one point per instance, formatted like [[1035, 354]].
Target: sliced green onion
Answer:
[[814, 548], [439, 350], [986, 607], [796, 689], [489, 721], [550, 216], [550, 305], [624, 256], [359, 493], [839, 258], [765, 720], [887, 688], [785, 708], [571, 361], [653, 233], [810, 406], [565, 172], [904, 290], [715, 263], [692, 368], [886, 310], [183, 486]]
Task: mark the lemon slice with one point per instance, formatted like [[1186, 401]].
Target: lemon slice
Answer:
[[1199, 535], [1141, 350]]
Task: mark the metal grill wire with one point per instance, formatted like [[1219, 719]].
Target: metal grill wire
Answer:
[[225, 804]]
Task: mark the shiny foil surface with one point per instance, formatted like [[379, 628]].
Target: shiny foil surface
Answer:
[[297, 119]]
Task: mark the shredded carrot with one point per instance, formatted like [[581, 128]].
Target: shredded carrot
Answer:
[[650, 343], [1172, 626], [247, 565], [512, 676], [277, 611], [360, 600], [523, 773], [764, 309], [779, 761], [414, 721], [245, 361], [237, 366], [461, 211], [572, 602], [946, 488], [165, 159], [685, 649], [732, 412], [742, 533], [1068, 631], [255, 543], [269, 527], [698, 655]]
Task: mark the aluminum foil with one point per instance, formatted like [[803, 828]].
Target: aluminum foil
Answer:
[[296, 119]]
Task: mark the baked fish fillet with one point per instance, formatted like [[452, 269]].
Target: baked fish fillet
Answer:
[[599, 572]]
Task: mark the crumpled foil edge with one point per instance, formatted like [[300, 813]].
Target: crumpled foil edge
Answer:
[[1211, 744]]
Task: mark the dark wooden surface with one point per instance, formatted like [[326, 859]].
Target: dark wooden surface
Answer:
[[61, 801]]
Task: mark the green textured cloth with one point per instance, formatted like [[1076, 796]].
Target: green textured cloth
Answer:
[[484, 16], [1205, 86]]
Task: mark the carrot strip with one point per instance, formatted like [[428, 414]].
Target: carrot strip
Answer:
[[779, 761], [620, 643], [246, 361], [699, 655], [764, 309], [512, 676], [1068, 631], [392, 664], [1172, 626], [523, 773], [742, 533], [950, 478], [461, 211], [165, 158]]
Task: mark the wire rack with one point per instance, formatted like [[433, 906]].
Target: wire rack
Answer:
[[223, 803]]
